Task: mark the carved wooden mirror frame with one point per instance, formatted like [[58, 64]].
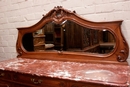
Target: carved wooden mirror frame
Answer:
[[58, 15]]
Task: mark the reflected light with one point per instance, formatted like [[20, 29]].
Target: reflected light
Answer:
[[104, 30], [64, 22]]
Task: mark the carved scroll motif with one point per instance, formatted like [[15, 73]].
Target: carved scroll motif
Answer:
[[123, 54], [58, 14], [19, 52]]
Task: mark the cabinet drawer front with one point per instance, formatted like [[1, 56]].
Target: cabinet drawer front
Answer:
[[5, 84], [88, 85], [5, 75], [19, 85], [38, 81]]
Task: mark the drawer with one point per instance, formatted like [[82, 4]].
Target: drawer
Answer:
[[5, 84], [81, 84], [5, 75], [38, 81], [21, 85]]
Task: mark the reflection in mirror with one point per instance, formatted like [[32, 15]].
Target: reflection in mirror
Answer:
[[69, 36]]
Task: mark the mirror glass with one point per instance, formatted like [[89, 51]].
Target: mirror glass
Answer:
[[69, 36]]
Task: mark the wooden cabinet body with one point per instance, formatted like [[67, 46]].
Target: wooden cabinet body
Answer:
[[26, 80]]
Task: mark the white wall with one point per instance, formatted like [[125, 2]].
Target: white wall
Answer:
[[20, 13]]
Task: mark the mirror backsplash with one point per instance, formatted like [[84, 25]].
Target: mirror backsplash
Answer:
[[69, 36]]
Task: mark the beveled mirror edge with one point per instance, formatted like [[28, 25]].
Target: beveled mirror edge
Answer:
[[118, 55]]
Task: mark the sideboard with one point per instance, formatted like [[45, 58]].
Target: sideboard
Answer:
[[66, 50]]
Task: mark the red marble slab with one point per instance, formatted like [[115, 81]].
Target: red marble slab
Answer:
[[109, 74]]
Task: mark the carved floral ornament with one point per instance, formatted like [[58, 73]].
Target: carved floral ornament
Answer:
[[59, 15]]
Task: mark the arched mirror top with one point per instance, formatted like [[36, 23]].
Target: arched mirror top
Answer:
[[63, 35]]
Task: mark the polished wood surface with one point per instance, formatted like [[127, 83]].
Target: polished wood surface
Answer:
[[64, 68], [58, 15]]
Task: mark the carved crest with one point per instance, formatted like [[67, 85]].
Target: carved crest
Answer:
[[58, 14]]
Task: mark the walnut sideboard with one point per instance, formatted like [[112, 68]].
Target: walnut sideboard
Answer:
[[65, 50]]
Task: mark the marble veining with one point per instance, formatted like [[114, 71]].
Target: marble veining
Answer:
[[97, 73]]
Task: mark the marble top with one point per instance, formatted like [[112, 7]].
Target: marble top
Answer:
[[109, 74]]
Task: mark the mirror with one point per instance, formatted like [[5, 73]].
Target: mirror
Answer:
[[69, 36], [63, 35]]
